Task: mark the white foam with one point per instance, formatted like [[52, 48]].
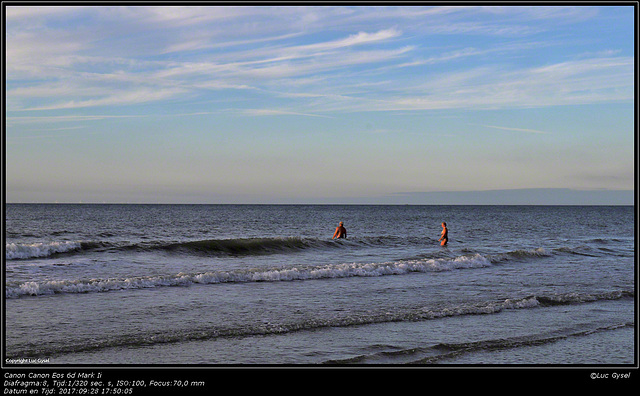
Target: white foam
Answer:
[[529, 302], [274, 275], [479, 308], [31, 250]]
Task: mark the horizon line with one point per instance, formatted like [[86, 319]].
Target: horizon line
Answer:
[[316, 204]]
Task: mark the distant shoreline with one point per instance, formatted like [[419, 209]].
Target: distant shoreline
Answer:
[[512, 197]]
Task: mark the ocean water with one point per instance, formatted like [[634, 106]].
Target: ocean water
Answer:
[[265, 285]]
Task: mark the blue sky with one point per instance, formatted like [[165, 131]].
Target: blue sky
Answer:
[[327, 104]]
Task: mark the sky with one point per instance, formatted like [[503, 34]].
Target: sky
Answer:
[[319, 104]]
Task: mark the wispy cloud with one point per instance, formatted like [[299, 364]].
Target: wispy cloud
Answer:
[[63, 118], [127, 97], [353, 40], [274, 112], [180, 52], [512, 129], [164, 80], [596, 80]]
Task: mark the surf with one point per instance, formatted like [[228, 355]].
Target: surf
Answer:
[[20, 251], [444, 352], [205, 247], [407, 314], [294, 273]]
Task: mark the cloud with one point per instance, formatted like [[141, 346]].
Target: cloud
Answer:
[[512, 129], [35, 55], [178, 16], [65, 118], [290, 52], [153, 81], [586, 81], [353, 40], [272, 112], [18, 14], [136, 96], [206, 41]]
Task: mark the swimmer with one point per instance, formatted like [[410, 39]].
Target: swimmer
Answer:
[[445, 235], [341, 232]]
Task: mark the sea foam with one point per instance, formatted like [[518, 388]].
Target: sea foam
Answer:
[[15, 251], [298, 273]]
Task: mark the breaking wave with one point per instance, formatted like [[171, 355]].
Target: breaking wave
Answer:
[[210, 247], [382, 316], [244, 276], [246, 247], [442, 352], [17, 251]]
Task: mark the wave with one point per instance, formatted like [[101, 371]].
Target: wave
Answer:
[[573, 251], [245, 246], [260, 246], [255, 246], [245, 276], [446, 351], [383, 316], [577, 298], [520, 254], [18, 251], [296, 273], [210, 247]]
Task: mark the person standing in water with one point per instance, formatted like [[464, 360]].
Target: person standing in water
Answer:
[[445, 235], [341, 232]]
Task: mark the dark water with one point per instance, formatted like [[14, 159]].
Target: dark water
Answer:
[[265, 284]]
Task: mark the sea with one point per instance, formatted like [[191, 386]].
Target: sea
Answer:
[[266, 285]]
